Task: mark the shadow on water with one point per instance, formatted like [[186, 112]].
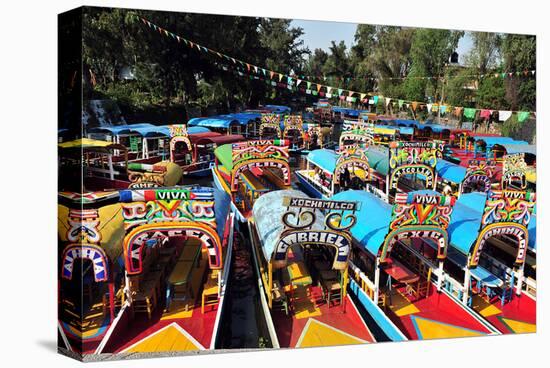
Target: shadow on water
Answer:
[[243, 323]]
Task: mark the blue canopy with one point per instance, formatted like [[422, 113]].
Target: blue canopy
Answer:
[[120, 129], [373, 218], [347, 111], [532, 229], [278, 109], [465, 221], [152, 131], [323, 158], [222, 207], [378, 159], [268, 211], [519, 148], [491, 141], [144, 129], [450, 172], [224, 121]]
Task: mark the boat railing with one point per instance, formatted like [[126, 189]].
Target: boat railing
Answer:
[[317, 183], [366, 284]]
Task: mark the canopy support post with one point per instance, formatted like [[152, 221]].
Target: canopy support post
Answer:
[[439, 276], [376, 280], [111, 168], [269, 284], [466, 288], [520, 277]]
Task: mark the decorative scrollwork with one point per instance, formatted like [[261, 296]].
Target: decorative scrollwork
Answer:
[[333, 217], [308, 216]]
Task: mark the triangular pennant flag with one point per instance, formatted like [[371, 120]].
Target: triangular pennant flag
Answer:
[[375, 100], [504, 115], [363, 95], [255, 69], [522, 116], [328, 89], [289, 80], [271, 73], [400, 103], [388, 100], [319, 87], [280, 77], [191, 44], [248, 67], [340, 91], [178, 38], [298, 81], [414, 104], [308, 85]]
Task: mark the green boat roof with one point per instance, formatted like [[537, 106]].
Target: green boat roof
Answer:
[[224, 154]]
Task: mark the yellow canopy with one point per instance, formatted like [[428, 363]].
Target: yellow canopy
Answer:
[[84, 143]]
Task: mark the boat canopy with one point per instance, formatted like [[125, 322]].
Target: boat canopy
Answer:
[[86, 143], [378, 159], [220, 139], [144, 129], [520, 148], [465, 221], [323, 158], [268, 211], [450, 172], [501, 141], [119, 129], [373, 218], [278, 109], [222, 206], [402, 130], [224, 121], [347, 111]]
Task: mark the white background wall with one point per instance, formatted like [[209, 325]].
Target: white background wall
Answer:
[[28, 85]]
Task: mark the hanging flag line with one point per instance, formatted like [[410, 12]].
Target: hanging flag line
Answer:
[[292, 82]]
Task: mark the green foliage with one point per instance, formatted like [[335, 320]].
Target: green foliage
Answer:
[[511, 126]]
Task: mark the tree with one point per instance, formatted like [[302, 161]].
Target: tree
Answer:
[[520, 55], [430, 52]]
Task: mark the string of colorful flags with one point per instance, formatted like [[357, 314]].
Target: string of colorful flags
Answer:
[[502, 75], [293, 82]]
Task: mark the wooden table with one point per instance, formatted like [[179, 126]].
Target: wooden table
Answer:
[[400, 273], [179, 279]]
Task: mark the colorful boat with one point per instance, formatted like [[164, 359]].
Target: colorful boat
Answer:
[[397, 264], [195, 153], [105, 166], [303, 263], [175, 263], [248, 170], [328, 172], [90, 279], [493, 257], [243, 123]]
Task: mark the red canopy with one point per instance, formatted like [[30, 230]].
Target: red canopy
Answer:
[[221, 139]]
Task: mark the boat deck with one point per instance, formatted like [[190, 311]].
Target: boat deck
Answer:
[[516, 316], [311, 325], [433, 317], [176, 330]]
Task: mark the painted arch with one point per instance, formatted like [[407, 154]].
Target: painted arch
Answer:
[[135, 240], [516, 230], [427, 171], [177, 139], [416, 231], [274, 126], [247, 165], [85, 251]]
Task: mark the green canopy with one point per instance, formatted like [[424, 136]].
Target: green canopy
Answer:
[[224, 154]]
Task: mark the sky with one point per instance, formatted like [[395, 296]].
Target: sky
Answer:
[[319, 34]]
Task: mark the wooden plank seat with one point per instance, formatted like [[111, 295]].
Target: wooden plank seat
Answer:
[[332, 290], [210, 293], [145, 300], [279, 299]]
